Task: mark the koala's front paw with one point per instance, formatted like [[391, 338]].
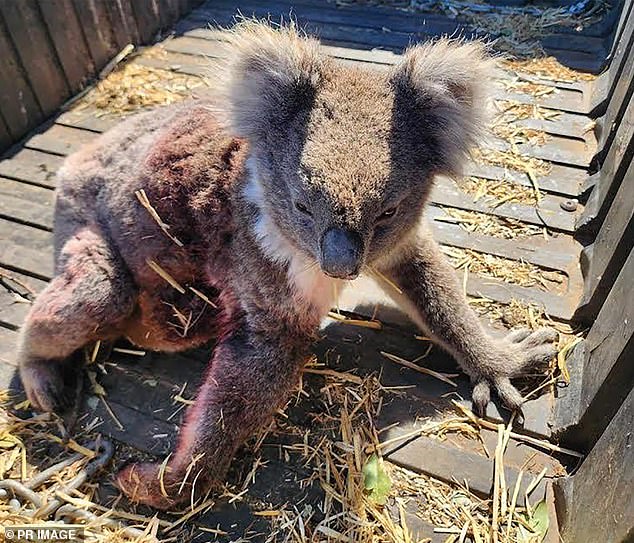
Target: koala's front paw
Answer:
[[521, 350], [51, 385]]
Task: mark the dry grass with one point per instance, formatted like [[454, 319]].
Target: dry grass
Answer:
[[513, 160], [133, 87], [510, 271], [490, 225], [546, 68], [350, 511], [519, 314], [28, 444], [512, 111], [496, 192]]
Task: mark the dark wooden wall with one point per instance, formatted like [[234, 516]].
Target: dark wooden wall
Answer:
[[51, 49], [596, 412]]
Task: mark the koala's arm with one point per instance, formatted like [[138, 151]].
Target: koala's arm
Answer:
[[250, 376], [432, 295]]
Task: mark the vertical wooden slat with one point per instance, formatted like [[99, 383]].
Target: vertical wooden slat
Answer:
[[183, 7], [168, 12], [122, 22], [621, 77], [609, 251], [611, 175], [5, 137], [96, 24], [36, 52], [68, 39], [596, 505], [146, 13], [18, 105]]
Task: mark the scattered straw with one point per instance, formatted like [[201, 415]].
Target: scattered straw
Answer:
[[143, 199], [511, 271], [133, 87], [373, 323], [546, 68], [512, 160], [166, 276], [444, 377], [496, 191], [489, 225]]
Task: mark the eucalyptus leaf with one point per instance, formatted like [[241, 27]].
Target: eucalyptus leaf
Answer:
[[538, 522], [376, 481]]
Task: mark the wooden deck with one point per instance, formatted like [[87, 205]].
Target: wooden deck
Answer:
[[140, 390]]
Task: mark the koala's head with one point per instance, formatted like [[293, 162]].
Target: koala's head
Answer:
[[343, 158]]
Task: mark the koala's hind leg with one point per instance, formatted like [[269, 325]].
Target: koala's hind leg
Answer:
[[90, 293], [250, 376]]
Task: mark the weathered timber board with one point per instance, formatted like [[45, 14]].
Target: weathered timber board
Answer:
[[26, 203], [18, 104], [95, 22], [36, 52], [66, 34], [30, 166]]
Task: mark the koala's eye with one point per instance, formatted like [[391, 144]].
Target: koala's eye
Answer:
[[388, 213], [303, 209]]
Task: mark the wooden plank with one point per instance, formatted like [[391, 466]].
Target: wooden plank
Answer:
[[339, 30], [16, 256], [560, 253], [610, 249], [8, 354], [561, 179], [383, 21], [5, 136], [568, 151], [621, 74], [608, 516], [571, 101], [168, 12], [549, 213], [68, 38], [617, 106], [13, 310], [18, 105], [26, 249], [100, 38], [611, 174], [608, 373], [36, 52], [26, 204], [123, 23], [146, 14], [564, 124], [23, 284], [60, 140], [31, 166]]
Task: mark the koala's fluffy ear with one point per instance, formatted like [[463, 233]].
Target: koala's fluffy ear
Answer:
[[270, 75], [441, 95]]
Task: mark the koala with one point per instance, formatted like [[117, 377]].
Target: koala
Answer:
[[296, 177]]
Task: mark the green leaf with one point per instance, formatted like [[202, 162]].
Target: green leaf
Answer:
[[376, 481], [538, 522]]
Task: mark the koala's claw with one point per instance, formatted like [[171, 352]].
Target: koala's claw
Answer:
[[150, 484], [51, 386], [520, 351], [141, 483]]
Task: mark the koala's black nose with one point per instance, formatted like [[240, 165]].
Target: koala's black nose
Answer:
[[341, 253]]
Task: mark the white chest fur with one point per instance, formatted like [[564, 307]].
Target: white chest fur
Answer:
[[306, 278]]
